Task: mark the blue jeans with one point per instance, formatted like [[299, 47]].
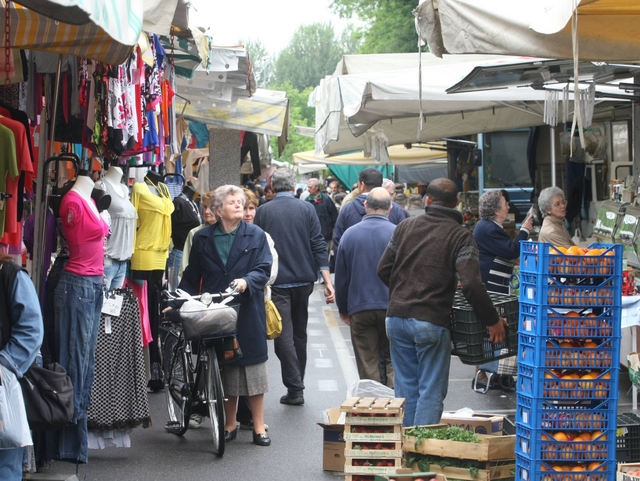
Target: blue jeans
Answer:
[[174, 259], [114, 273], [421, 356], [77, 305], [11, 464]]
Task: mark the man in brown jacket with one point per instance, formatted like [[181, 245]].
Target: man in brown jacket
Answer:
[[421, 266]]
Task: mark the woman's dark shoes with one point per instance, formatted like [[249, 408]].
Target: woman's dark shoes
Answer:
[[262, 439], [231, 435]]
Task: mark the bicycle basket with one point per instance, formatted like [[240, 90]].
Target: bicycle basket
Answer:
[[218, 320]]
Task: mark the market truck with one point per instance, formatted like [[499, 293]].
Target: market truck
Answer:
[[587, 179]]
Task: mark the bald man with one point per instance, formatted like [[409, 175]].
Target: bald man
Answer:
[[362, 298], [421, 265]]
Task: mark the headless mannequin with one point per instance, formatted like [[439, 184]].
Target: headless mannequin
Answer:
[[188, 191], [84, 187], [152, 179]]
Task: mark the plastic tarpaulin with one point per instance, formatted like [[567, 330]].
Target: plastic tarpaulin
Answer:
[[348, 174]]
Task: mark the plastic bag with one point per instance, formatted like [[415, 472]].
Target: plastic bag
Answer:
[[369, 388], [14, 427], [200, 321]]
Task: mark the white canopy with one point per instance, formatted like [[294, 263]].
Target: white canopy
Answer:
[[607, 29], [384, 105]]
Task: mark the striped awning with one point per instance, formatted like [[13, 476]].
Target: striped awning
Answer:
[[33, 31]]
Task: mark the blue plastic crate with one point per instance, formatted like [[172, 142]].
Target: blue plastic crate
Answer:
[[536, 413], [592, 323], [543, 258], [588, 292], [547, 384], [541, 444], [528, 469], [553, 353]]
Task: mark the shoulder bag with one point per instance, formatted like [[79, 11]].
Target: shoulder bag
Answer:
[[48, 397], [274, 320]]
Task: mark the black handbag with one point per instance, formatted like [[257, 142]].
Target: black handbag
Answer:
[[48, 396]]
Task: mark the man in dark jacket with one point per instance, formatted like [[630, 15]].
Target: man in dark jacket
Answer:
[[325, 208], [361, 296], [353, 212], [295, 230], [421, 266]]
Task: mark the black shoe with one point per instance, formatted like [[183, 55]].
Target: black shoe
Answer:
[[261, 439], [230, 435], [292, 400], [248, 425]]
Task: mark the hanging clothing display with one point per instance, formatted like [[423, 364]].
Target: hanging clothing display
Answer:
[[154, 226], [119, 398]]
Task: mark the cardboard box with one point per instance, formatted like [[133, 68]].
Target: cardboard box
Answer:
[[333, 444], [478, 423], [625, 468]]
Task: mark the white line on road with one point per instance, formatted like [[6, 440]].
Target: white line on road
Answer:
[[345, 358]]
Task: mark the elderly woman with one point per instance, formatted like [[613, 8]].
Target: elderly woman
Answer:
[[229, 251], [497, 250], [553, 207]]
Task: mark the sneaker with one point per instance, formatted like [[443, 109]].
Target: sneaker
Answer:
[[249, 425], [195, 421]]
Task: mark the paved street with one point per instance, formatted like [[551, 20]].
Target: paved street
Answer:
[[296, 451]]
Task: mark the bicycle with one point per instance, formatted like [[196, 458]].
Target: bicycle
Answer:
[[197, 388]]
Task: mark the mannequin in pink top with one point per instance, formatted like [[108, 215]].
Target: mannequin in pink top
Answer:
[[77, 305]]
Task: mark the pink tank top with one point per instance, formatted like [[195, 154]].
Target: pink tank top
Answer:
[[85, 232]]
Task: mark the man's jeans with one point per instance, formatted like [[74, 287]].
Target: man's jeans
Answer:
[[421, 356], [77, 303]]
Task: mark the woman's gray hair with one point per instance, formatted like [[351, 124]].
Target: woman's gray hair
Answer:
[[283, 180], [489, 204], [220, 194], [545, 197]]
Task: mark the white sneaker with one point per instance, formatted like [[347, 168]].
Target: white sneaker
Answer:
[[195, 421]]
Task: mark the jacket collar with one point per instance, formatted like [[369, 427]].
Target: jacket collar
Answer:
[[243, 238], [440, 211]]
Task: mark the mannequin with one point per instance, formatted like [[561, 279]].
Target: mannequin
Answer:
[[119, 246], [77, 306], [186, 216], [154, 207]]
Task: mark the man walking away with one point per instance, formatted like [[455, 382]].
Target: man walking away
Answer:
[[362, 298], [353, 212], [295, 230], [421, 265]]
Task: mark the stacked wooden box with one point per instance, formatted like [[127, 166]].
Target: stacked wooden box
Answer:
[[493, 458], [373, 437]]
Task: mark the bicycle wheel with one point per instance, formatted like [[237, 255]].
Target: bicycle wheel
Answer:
[[176, 388], [215, 400]]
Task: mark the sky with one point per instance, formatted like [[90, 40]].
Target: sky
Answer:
[[273, 22]]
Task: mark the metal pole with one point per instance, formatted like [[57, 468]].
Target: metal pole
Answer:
[[40, 223], [552, 136]]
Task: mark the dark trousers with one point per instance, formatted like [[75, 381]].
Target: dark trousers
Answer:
[[371, 346], [291, 345]]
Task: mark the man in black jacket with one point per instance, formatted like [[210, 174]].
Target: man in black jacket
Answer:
[[295, 230], [325, 208]]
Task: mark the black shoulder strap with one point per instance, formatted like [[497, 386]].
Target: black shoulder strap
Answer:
[[8, 273]]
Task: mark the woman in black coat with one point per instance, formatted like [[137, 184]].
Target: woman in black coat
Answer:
[[233, 251]]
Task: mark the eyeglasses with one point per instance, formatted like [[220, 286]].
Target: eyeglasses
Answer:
[[560, 203]]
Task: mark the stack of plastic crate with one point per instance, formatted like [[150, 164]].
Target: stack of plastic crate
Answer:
[[568, 363]]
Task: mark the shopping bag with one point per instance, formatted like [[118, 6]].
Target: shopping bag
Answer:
[[274, 320], [14, 427]]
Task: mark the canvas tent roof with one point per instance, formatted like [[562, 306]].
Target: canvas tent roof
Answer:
[[607, 29]]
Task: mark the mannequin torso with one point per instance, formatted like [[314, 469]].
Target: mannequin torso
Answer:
[[114, 177], [83, 187]]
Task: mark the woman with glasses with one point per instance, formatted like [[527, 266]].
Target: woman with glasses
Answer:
[[553, 207]]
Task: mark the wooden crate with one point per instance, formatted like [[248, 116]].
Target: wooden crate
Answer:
[[389, 449], [490, 448], [351, 468], [352, 433], [373, 411], [492, 472]]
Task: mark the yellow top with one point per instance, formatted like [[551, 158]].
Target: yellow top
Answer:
[[154, 227]]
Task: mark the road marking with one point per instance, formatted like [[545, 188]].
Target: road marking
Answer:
[[327, 385], [317, 346], [314, 332], [322, 363], [345, 358]]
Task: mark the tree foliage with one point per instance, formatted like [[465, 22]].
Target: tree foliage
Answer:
[[312, 53], [261, 62], [299, 114], [390, 26]]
